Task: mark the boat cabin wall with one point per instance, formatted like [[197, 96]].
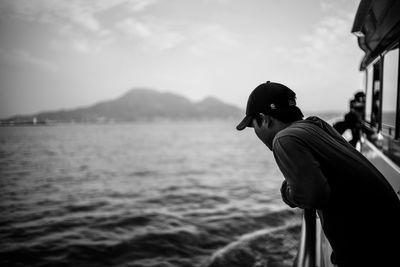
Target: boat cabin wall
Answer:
[[382, 109]]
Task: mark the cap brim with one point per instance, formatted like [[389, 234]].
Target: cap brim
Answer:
[[246, 122]]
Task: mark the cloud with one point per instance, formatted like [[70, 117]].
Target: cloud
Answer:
[[79, 21], [151, 32], [81, 13], [56, 12], [329, 37], [163, 35], [154, 33], [217, 1], [83, 45], [85, 19], [213, 38], [88, 46], [328, 34], [134, 27], [24, 58], [338, 6], [140, 5]]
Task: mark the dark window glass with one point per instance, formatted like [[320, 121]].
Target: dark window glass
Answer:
[[376, 96], [389, 93]]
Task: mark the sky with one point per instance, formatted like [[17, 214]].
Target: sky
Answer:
[[63, 54]]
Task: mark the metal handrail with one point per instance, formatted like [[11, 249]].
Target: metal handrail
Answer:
[[307, 247], [388, 127]]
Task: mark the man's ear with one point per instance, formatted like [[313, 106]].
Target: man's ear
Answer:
[[266, 119]]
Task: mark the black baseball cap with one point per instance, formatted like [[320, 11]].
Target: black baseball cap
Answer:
[[267, 98], [359, 94]]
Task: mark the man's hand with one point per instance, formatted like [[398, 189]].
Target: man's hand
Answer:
[[285, 194]]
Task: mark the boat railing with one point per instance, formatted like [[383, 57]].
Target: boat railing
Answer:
[[314, 248], [307, 246], [389, 128]]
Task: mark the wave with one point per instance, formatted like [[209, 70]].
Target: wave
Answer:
[[85, 207], [276, 247], [158, 239]]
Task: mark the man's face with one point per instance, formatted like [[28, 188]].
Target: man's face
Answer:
[[361, 99]]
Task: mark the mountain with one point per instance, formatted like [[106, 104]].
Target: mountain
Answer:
[[136, 105]]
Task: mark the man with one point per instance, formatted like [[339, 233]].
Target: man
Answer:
[[359, 211], [354, 121], [360, 99]]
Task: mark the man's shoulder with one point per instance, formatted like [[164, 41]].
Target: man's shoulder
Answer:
[[302, 129], [293, 133]]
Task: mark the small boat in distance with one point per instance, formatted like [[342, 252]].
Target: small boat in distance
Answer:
[[377, 27]]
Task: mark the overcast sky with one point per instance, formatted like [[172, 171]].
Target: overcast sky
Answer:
[[58, 54]]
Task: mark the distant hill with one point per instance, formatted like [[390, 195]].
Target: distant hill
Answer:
[[136, 105]]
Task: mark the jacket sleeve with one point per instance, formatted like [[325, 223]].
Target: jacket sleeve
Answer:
[[305, 185]]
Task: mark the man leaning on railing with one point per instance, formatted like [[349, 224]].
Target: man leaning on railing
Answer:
[[359, 211]]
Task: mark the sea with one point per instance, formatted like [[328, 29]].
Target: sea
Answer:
[[145, 194]]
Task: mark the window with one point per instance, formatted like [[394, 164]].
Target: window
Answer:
[[368, 96], [376, 95], [389, 96]]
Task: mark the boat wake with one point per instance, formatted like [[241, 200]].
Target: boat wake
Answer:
[[269, 247]]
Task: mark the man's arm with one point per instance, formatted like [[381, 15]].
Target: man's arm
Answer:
[[305, 186]]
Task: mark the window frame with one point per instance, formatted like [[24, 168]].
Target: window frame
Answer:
[[377, 68], [397, 124], [397, 112]]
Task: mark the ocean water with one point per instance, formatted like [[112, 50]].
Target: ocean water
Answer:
[[144, 194]]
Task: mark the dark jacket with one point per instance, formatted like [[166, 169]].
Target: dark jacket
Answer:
[[359, 210]]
